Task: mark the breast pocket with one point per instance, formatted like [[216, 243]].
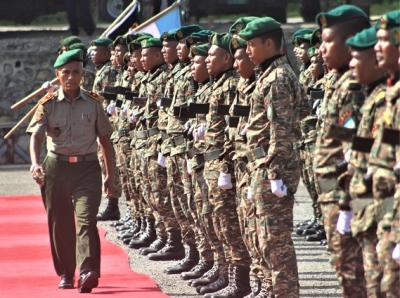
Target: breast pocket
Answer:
[[86, 124], [57, 127]]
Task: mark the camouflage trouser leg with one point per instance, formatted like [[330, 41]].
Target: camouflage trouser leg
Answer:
[[137, 194], [390, 284], [346, 253], [311, 176], [118, 188], [144, 182], [205, 244], [124, 157], [179, 200], [226, 223], [274, 220], [373, 273]]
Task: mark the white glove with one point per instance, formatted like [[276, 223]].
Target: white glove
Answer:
[[189, 167], [378, 246], [249, 194], [347, 156], [397, 166], [200, 132], [225, 181], [161, 160], [124, 110], [278, 188], [48, 87], [244, 130], [344, 222], [111, 109], [396, 253], [187, 125], [132, 117]]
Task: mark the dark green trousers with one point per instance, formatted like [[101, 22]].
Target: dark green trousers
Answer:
[[73, 189]]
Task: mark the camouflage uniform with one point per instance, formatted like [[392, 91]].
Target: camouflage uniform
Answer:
[[364, 223], [339, 104], [306, 78], [273, 129], [107, 76], [383, 158], [218, 158], [89, 76]]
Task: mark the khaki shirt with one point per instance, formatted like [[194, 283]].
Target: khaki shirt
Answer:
[[71, 128]]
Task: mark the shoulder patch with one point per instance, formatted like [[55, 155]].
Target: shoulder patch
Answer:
[[380, 96], [96, 96], [48, 97]]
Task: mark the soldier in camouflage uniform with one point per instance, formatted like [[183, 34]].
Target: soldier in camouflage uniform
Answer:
[[301, 42], [106, 76], [341, 107], [274, 166], [383, 154], [363, 223]]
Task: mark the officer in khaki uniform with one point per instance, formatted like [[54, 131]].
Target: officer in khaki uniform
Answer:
[[72, 119]]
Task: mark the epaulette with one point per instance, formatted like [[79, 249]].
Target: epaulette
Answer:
[[43, 100], [96, 96], [353, 86]]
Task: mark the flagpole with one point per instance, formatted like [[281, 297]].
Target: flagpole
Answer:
[[119, 18], [157, 16]]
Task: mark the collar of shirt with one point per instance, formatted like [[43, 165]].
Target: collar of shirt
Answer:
[[61, 95]]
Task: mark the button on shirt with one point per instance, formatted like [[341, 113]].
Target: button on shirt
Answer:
[[71, 128]]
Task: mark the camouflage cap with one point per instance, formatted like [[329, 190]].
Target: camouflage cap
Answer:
[[137, 43], [68, 56], [222, 40], [200, 50], [198, 37], [237, 43], [185, 31], [70, 40], [258, 27], [363, 40], [316, 37], [151, 42], [389, 20], [169, 35], [339, 15], [102, 42], [395, 36], [240, 24], [311, 52]]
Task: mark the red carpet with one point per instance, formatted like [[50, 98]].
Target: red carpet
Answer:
[[27, 269]]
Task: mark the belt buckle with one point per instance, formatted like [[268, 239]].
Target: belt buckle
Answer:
[[73, 159]]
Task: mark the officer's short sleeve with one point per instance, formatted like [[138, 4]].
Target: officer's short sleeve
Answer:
[[39, 121], [103, 126]]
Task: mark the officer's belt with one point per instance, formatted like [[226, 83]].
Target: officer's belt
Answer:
[[123, 132], [327, 184], [361, 202], [178, 140], [144, 134], [211, 155], [257, 153], [73, 159]]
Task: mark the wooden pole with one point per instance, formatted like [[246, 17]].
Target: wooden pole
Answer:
[[31, 96], [30, 113]]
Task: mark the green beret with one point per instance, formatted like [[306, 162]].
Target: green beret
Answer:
[[78, 46], [70, 40], [151, 42], [200, 50], [363, 40], [240, 24], [237, 43], [316, 37], [388, 20], [395, 36], [311, 52], [137, 43], [102, 42], [258, 27], [120, 41], [169, 35], [198, 37], [64, 58], [303, 34], [222, 40], [185, 31], [339, 15]]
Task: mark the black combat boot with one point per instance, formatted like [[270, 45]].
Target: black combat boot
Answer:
[[147, 237], [255, 285], [122, 220], [238, 286], [142, 230], [207, 278], [188, 262], [217, 285], [155, 246], [198, 270], [111, 212], [173, 249]]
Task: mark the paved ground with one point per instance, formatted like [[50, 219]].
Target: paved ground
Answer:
[[317, 279]]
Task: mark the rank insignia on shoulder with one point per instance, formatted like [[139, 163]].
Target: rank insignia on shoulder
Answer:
[[46, 98], [96, 96]]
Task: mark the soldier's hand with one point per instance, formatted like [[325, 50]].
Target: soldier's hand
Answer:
[[38, 175], [344, 222], [396, 253], [109, 186], [225, 180], [48, 87], [278, 188], [111, 109]]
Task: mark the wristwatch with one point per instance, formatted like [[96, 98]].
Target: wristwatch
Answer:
[[33, 167]]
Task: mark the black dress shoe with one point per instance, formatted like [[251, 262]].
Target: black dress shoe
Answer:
[[66, 283], [88, 281]]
